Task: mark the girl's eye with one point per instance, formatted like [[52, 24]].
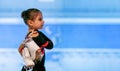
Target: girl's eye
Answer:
[[40, 19]]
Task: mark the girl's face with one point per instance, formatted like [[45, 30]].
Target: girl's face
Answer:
[[38, 22]]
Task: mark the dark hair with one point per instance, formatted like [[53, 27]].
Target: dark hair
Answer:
[[30, 14]]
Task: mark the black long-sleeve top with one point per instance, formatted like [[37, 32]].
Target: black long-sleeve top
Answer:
[[40, 40]]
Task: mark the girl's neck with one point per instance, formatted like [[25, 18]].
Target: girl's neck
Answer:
[[33, 32], [30, 29]]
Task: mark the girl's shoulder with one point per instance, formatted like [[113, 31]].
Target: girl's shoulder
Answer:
[[40, 32]]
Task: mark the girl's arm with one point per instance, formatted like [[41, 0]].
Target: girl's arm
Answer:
[[48, 44], [21, 47]]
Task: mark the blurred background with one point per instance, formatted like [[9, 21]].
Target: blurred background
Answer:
[[85, 33]]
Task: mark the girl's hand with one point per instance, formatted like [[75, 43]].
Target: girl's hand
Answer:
[[45, 44], [21, 47], [33, 33]]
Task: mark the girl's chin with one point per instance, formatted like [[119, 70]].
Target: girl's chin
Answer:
[[41, 27]]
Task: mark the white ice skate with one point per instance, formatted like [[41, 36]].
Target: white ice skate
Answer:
[[31, 52], [34, 49], [27, 58]]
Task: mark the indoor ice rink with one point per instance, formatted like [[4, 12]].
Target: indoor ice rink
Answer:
[[85, 33]]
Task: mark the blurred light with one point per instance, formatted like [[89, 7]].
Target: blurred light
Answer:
[[83, 20], [46, 0], [66, 20], [10, 20]]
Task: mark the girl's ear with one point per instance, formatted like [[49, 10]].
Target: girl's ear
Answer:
[[30, 22]]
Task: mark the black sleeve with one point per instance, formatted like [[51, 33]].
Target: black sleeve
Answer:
[[46, 39]]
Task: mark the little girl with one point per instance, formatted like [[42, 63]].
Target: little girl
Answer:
[[34, 20]]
